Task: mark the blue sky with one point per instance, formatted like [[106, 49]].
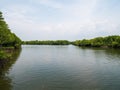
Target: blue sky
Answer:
[[62, 19]]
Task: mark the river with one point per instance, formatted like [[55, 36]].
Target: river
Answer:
[[44, 67]]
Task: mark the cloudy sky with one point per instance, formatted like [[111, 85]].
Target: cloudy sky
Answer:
[[62, 19]]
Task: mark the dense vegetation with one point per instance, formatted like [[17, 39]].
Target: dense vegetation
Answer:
[[109, 41], [7, 38], [48, 42]]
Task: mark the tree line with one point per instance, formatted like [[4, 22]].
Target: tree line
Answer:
[[105, 42], [7, 38], [109, 41], [47, 42]]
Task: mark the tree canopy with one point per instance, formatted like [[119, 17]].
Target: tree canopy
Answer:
[[47, 42], [7, 38], [109, 41]]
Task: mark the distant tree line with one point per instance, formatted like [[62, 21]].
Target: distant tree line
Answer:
[[105, 42], [47, 42], [109, 41], [7, 38]]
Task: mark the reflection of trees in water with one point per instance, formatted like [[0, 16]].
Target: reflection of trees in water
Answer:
[[109, 53], [5, 81], [113, 55], [113, 52]]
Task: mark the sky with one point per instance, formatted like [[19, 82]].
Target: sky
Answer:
[[62, 19]]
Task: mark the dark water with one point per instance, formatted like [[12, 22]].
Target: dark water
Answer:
[[63, 68], [5, 67]]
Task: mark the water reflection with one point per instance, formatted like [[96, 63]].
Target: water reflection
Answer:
[[5, 81], [63, 68]]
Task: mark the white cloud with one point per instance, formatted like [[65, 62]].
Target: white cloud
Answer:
[[78, 21], [48, 3]]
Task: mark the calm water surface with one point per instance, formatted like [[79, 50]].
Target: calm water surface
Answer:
[[63, 68]]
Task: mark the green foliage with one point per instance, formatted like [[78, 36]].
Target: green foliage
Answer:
[[7, 38], [3, 55], [48, 42], [97, 42], [109, 41]]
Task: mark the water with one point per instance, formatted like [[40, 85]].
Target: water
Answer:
[[63, 68]]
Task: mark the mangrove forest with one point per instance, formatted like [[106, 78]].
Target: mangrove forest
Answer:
[[105, 42], [8, 40]]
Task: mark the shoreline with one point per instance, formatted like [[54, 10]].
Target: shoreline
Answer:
[[104, 47]]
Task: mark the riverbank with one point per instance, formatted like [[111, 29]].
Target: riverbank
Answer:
[[8, 40], [101, 42]]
